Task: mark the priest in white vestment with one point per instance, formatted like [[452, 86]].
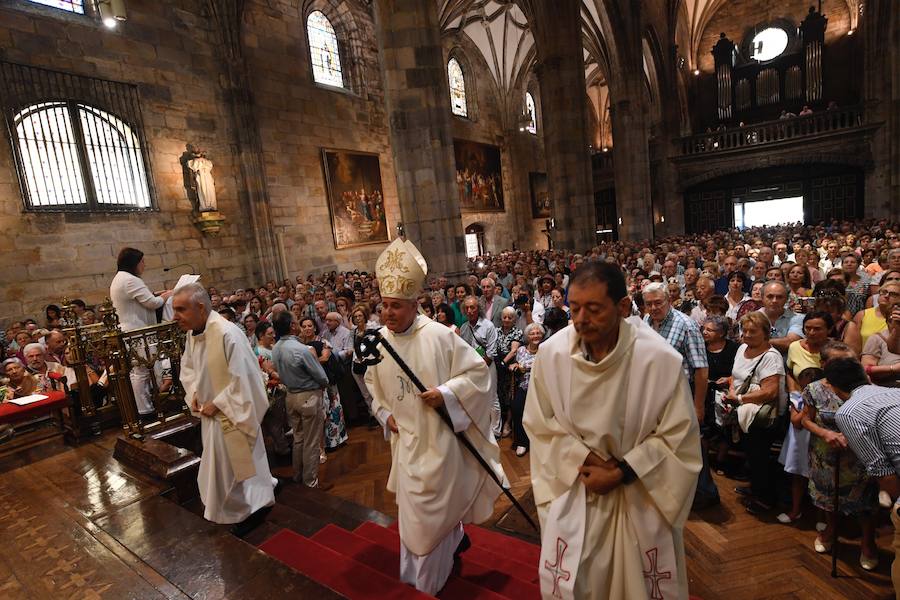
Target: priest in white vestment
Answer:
[[439, 485], [615, 451], [222, 385]]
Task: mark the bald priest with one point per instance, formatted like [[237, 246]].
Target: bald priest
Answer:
[[439, 485], [223, 387]]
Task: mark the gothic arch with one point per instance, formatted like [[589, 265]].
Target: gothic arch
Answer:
[[340, 13], [461, 55], [831, 158]]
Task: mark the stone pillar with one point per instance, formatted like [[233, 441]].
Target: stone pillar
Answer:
[[418, 103], [252, 189], [560, 71], [632, 164]]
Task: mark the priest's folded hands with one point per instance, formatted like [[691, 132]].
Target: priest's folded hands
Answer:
[[600, 476]]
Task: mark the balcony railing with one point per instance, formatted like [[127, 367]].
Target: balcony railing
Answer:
[[771, 132]]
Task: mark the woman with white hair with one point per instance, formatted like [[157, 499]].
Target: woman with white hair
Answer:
[[509, 338], [534, 335]]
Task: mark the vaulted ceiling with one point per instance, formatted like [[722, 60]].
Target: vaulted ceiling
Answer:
[[500, 31]]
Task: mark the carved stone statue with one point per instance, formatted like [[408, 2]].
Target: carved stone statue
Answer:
[[203, 183]]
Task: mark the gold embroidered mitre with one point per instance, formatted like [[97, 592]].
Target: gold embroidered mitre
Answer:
[[401, 270]]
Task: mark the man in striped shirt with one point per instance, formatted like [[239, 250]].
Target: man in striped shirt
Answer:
[[870, 420]]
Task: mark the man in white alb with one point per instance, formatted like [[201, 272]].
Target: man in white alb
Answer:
[[439, 485], [615, 450], [222, 386]]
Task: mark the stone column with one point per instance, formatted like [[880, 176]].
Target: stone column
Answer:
[[252, 188], [418, 103], [632, 164], [560, 71]]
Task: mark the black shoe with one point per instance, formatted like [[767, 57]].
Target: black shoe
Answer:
[[250, 523], [744, 490], [758, 508], [464, 544]]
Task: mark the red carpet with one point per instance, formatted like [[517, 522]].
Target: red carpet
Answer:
[[365, 564]]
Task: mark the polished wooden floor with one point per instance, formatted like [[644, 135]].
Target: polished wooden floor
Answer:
[[75, 524], [731, 555]]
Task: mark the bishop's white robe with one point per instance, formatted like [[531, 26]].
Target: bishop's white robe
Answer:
[[218, 366], [634, 405], [438, 484]]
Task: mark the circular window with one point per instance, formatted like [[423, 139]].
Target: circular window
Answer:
[[768, 44]]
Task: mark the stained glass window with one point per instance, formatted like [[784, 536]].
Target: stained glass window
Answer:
[[74, 6], [323, 50], [531, 112], [457, 88], [52, 151]]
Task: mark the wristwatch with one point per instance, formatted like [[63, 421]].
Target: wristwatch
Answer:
[[628, 474]]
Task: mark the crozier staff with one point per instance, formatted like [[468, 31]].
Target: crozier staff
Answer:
[[136, 307], [220, 376], [439, 485]]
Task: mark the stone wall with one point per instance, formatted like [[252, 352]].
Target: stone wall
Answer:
[[492, 120], [298, 118], [169, 51]]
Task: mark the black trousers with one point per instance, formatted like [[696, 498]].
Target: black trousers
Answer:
[[518, 410], [762, 474]]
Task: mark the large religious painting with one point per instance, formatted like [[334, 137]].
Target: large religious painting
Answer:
[[355, 198], [540, 195], [478, 180]]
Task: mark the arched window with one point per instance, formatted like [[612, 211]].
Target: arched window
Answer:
[[323, 50], [75, 6], [457, 88], [79, 157], [531, 113]]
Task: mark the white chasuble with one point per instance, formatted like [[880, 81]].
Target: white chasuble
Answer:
[[218, 366], [437, 482], [634, 405]]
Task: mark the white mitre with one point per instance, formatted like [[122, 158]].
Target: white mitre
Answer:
[[401, 270]]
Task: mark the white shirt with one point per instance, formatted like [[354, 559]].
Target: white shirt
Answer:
[[135, 304]]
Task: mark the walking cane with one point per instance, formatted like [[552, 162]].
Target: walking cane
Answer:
[[367, 349], [837, 495]]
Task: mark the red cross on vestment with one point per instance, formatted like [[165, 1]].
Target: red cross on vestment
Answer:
[[556, 569], [655, 576]]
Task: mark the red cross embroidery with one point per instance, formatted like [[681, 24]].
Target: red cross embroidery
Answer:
[[655, 576], [556, 569]]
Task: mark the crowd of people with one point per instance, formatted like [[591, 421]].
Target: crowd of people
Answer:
[[760, 317]]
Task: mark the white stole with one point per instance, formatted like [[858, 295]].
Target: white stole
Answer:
[[238, 445]]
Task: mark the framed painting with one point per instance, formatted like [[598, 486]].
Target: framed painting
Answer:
[[479, 181], [355, 198], [540, 195]]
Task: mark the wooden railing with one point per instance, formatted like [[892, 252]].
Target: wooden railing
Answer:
[[770, 132]]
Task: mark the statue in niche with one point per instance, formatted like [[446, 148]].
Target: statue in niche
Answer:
[[201, 190], [198, 179]]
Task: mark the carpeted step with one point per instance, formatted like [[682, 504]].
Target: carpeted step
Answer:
[[504, 576], [389, 538], [500, 545], [341, 573]]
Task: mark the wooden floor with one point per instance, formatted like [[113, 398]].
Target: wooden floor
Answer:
[[731, 555], [75, 524]]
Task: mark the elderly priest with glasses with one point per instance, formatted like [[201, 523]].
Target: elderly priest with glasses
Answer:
[[439, 485], [222, 386]]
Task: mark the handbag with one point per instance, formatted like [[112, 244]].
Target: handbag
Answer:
[[724, 409], [767, 415]]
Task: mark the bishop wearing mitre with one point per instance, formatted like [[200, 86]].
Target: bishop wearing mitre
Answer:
[[615, 450], [439, 485], [222, 387]]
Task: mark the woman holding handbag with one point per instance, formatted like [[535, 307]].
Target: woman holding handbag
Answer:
[[757, 383]]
